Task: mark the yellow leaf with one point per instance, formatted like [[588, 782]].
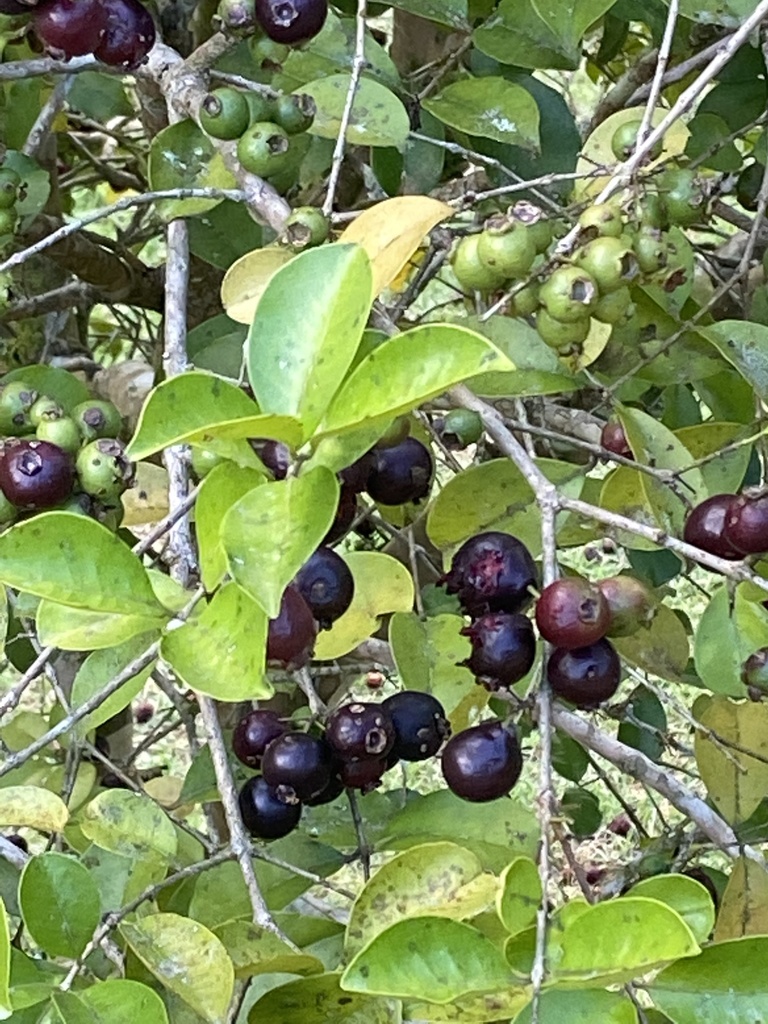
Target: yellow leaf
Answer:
[[391, 232], [147, 500], [246, 279], [744, 910], [33, 807]]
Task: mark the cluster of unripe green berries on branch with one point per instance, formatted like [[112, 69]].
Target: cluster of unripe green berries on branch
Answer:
[[11, 191], [50, 458]]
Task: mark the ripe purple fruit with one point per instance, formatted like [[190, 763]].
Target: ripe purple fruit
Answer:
[[746, 525], [297, 765], [129, 34], [253, 734], [482, 763], [503, 647], [492, 572], [346, 513], [35, 474], [333, 790], [276, 456], [69, 28], [264, 814], [614, 440], [291, 21], [326, 584], [363, 773], [359, 731], [585, 676], [572, 613], [420, 725], [291, 636], [400, 473], [705, 527]]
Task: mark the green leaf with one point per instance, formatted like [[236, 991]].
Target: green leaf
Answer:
[[382, 585], [582, 809], [409, 369], [119, 1001], [76, 561], [557, 1007], [5, 964], [183, 156], [736, 782], [490, 1006], [200, 407], [97, 670], [745, 345], [431, 878], [687, 897], [270, 532], [255, 951], [452, 13], [219, 491], [725, 637], [129, 824], [222, 652], [60, 385], [33, 807], [538, 33], [427, 956], [378, 117], [320, 1001], [490, 107], [646, 710], [188, 959], [306, 330], [77, 629], [723, 473], [661, 648], [520, 895], [59, 903], [725, 984]]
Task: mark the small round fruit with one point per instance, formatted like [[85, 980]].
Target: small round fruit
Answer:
[[610, 262], [346, 513], [44, 409], [630, 604], [754, 673], [705, 526], [253, 734], [8, 221], [96, 418], [652, 211], [746, 525], [224, 113], [237, 17], [748, 186], [585, 676], [683, 196], [492, 572], [16, 402], [69, 28], [9, 188], [461, 427], [327, 585], [294, 112], [614, 440], [569, 294], [327, 795], [360, 730], [35, 474], [264, 814], [306, 227], [62, 431], [535, 221], [401, 473], [291, 636], [291, 21], [297, 765], [563, 337], [268, 55], [624, 141], [525, 301], [363, 773], [276, 456], [601, 219], [263, 149], [355, 476], [420, 725], [506, 246], [503, 647], [103, 470], [651, 247], [129, 34], [482, 763], [615, 307], [471, 272], [260, 106], [572, 612]]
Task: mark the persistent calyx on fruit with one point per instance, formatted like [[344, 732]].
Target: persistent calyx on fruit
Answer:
[[291, 21], [482, 763], [298, 765], [103, 470], [492, 572]]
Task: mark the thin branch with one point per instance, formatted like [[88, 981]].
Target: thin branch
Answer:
[[661, 66], [41, 129], [358, 64]]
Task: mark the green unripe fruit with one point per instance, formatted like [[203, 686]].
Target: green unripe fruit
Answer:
[[565, 337], [224, 113], [103, 470], [45, 409], [238, 16], [533, 218], [614, 307], [506, 247], [96, 418], [624, 141], [306, 227], [263, 149], [610, 262], [16, 401], [569, 294], [294, 113], [748, 185], [462, 427], [9, 188], [9, 177], [683, 196], [8, 511], [288, 176], [62, 431], [8, 220], [652, 211], [472, 274], [260, 106], [267, 54], [651, 247], [203, 461], [526, 301], [601, 219]]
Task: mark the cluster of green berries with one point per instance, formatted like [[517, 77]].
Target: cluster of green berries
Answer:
[[10, 193], [52, 458]]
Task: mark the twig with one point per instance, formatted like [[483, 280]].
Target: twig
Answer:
[[362, 842], [661, 66], [358, 63], [17, 70], [41, 129], [11, 699]]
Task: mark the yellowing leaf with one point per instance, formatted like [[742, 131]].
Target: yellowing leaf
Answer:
[[391, 231], [147, 500], [744, 910], [33, 807], [246, 279]]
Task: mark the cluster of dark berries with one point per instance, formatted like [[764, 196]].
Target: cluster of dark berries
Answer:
[[361, 741], [51, 459], [119, 33], [731, 526]]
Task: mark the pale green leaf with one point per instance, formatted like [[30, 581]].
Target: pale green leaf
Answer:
[[378, 117], [490, 107], [128, 823], [223, 486], [59, 903], [98, 669]]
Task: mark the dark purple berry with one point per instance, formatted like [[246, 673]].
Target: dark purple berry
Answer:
[[35, 474], [585, 676], [333, 790], [252, 735], [503, 647], [346, 513], [129, 34], [705, 526], [483, 762], [69, 28], [264, 814], [400, 473], [493, 572], [297, 765], [614, 440], [420, 725], [572, 612], [18, 841], [360, 730], [355, 477], [746, 525], [291, 21], [326, 584], [276, 456], [291, 636], [363, 773]]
